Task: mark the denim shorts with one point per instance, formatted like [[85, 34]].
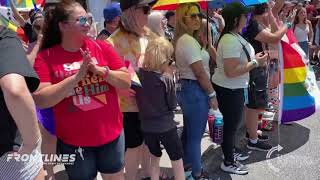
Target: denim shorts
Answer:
[[107, 159]]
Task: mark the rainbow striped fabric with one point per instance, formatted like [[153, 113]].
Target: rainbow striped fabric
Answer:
[[22, 4], [299, 93], [5, 22]]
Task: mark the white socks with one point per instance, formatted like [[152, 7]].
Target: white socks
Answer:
[[254, 141]]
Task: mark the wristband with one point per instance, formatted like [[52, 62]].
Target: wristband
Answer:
[[107, 71], [255, 63], [289, 25], [212, 95]]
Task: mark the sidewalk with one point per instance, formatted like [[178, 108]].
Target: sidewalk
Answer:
[[299, 159]]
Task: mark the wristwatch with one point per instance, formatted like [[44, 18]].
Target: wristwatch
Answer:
[[255, 63], [289, 25]]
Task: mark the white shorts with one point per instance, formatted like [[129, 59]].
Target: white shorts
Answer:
[[23, 167]]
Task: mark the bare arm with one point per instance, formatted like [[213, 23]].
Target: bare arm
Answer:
[[48, 95], [233, 68], [119, 79], [220, 21], [22, 108], [268, 37], [202, 76], [204, 81], [16, 15], [277, 7], [33, 54], [213, 53], [310, 34], [273, 21]]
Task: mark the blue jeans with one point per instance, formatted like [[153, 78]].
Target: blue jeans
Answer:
[[305, 47], [194, 104]]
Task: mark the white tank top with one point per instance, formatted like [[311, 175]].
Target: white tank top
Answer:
[[301, 34]]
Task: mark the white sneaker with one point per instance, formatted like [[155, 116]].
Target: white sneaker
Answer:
[[235, 168], [267, 115], [239, 157]]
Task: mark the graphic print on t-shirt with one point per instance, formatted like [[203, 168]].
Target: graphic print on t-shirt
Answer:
[[90, 92]]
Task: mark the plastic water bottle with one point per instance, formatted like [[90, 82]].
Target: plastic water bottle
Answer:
[[218, 127], [210, 122]]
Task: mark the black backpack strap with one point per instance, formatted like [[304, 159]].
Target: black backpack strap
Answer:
[[246, 52], [243, 48]]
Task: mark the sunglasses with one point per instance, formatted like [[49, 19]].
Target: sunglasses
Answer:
[[194, 16], [146, 9], [170, 61], [83, 20]]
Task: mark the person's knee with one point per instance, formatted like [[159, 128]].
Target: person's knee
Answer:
[[115, 176], [81, 174]]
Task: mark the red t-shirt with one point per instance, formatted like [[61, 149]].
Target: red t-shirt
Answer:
[[91, 115]]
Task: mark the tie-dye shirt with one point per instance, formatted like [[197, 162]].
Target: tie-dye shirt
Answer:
[[130, 48]]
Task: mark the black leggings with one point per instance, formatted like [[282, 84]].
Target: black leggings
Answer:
[[231, 105]]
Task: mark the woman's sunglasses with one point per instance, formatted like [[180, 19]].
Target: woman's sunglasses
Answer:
[[83, 20]]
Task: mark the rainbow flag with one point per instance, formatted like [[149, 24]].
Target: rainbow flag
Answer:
[[6, 23], [23, 4], [299, 93]]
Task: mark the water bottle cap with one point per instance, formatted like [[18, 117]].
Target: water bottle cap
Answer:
[[217, 114], [211, 111]]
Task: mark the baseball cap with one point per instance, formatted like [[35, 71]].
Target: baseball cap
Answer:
[[126, 4], [234, 9], [111, 11], [260, 9]]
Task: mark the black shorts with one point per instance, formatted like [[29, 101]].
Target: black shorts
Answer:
[[132, 130], [107, 159], [170, 140]]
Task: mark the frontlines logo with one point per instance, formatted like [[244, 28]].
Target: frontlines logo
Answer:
[[48, 159]]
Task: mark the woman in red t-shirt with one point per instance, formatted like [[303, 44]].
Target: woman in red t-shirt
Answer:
[[79, 78]]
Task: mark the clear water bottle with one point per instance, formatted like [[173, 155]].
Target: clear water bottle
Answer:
[[210, 122], [218, 127]]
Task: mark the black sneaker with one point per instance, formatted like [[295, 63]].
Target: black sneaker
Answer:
[[260, 137], [235, 168], [259, 146]]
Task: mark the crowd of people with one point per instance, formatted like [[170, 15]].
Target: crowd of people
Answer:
[[109, 97]]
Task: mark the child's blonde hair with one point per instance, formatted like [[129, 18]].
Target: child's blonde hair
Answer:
[[158, 52]]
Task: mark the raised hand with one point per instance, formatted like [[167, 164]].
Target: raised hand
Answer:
[[84, 66]]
